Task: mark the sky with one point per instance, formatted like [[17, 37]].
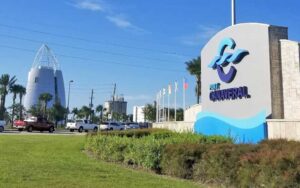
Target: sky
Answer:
[[140, 45]]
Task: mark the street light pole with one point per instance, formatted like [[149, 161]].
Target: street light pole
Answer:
[[71, 81]]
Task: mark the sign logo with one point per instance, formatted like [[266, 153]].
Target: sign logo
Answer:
[[223, 59]]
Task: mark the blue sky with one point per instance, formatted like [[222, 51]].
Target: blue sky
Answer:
[[139, 45]]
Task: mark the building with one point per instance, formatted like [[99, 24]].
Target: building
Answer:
[[44, 76], [138, 114], [115, 105]]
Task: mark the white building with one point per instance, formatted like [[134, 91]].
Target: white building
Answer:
[[138, 114], [44, 77]]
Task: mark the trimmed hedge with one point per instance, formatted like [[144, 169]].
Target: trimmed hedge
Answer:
[[207, 159]]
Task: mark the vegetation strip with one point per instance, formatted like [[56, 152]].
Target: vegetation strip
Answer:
[[206, 159], [59, 161]]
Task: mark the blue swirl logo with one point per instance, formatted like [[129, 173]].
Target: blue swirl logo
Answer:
[[224, 59]]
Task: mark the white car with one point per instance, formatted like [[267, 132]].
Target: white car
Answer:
[[82, 125], [132, 126], [2, 125], [111, 126]]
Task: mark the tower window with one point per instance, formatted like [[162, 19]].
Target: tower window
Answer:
[[36, 80]]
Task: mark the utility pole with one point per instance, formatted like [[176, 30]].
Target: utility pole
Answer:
[[113, 101], [91, 104], [233, 17]]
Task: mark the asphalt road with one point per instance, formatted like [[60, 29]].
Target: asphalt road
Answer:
[[56, 132]]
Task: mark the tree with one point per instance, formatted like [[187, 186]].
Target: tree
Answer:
[[75, 112], [35, 110], [22, 92], [15, 90], [6, 83], [57, 112], [85, 112], [45, 98], [99, 109], [150, 112], [179, 114], [194, 68]]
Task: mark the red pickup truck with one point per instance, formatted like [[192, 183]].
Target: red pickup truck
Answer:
[[34, 123]]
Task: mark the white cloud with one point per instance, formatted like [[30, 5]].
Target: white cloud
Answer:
[[203, 34], [123, 23], [89, 5], [119, 21]]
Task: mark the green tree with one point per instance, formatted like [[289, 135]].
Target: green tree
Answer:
[[150, 112], [6, 83], [36, 110], [194, 68], [45, 98], [179, 114], [15, 90], [99, 109], [22, 92], [57, 113], [75, 112], [85, 112]]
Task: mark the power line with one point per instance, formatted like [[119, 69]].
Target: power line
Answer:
[[86, 49], [91, 41], [94, 60]]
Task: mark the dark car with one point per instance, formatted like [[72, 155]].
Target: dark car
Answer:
[[39, 124]]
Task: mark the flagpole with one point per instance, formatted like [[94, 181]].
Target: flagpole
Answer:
[[157, 107], [183, 95], [175, 91], [164, 118], [168, 106]]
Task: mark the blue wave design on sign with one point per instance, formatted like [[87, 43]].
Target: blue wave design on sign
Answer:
[[248, 130]]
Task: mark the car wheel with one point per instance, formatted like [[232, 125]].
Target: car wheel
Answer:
[[80, 129], [20, 129], [71, 130], [1, 129], [111, 129], [30, 129], [51, 129], [95, 129]]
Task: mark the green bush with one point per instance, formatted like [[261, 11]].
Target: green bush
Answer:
[[208, 159], [178, 159], [275, 163]]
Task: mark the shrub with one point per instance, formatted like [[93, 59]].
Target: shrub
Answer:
[[275, 163], [178, 159]]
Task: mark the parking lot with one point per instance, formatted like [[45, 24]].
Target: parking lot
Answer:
[[56, 132]]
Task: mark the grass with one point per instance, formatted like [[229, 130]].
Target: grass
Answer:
[[59, 161]]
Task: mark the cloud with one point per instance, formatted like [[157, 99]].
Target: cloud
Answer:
[[119, 20], [123, 23], [203, 34], [91, 5]]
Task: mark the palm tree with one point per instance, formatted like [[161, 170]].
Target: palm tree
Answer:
[[22, 92], [194, 68], [99, 109], [15, 89], [75, 112], [45, 98], [86, 111], [6, 82]]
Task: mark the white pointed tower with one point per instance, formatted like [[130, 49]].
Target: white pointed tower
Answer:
[[44, 76]]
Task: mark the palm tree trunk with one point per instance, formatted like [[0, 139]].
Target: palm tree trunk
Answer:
[[21, 107], [2, 107], [13, 109]]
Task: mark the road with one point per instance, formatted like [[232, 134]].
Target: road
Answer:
[[56, 132]]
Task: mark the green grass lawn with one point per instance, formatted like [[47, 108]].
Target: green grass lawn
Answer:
[[58, 161]]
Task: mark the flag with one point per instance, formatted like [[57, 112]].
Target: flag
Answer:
[[164, 91], [170, 89], [176, 86], [185, 83], [159, 93]]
